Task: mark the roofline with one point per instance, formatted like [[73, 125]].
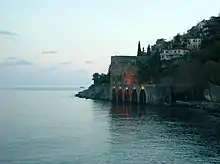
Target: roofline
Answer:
[[194, 38], [122, 56], [175, 49]]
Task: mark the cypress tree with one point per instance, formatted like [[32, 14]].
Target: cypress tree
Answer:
[[139, 49], [148, 50]]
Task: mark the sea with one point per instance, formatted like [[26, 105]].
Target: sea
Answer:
[[48, 125]]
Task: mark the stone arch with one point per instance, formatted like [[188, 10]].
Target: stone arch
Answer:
[[134, 96], [120, 95], [142, 98], [127, 110], [127, 95], [114, 94]]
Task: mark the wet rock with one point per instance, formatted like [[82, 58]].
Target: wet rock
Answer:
[[96, 92]]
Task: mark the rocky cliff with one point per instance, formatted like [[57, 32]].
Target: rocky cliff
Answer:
[[96, 92]]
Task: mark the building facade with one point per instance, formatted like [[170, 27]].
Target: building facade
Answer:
[[173, 54], [123, 70], [194, 43]]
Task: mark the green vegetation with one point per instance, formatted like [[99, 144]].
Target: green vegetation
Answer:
[[209, 53], [149, 67], [148, 50], [194, 70], [177, 41], [99, 79], [139, 49], [209, 58]]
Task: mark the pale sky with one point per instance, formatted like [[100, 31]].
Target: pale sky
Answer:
[[65, 41]]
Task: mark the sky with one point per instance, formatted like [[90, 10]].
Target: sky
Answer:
[[63, 42]]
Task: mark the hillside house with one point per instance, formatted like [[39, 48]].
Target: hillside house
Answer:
[[171, 54], [194, 43]]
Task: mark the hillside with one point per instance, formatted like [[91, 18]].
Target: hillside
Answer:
[[193, 71]]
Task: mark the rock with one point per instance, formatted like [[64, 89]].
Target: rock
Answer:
[[96, 92]]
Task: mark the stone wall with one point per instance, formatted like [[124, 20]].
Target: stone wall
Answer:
[[124, 80], [153, 93], [213, 94], [123, 70]]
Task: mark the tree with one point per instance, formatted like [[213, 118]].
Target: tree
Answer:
[[214, 27], [99, 79], [162, 40], [211, 31], [177, 40], [148, 50], [177, 37], [139, 49], [104, 79], [95, 78], [149, 69]]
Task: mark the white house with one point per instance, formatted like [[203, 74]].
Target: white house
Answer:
[[194, 43], [173, 54]]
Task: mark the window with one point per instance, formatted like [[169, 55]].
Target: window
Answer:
[[174, 51], [178, 51], [166, 51], [194, 40]]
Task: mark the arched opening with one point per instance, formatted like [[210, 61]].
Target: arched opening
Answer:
[[120, 95], [142, 97], [134, 96], [127, 110], [127, 96], [114, 95]]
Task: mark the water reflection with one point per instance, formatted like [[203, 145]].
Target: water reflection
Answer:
[[127, 110], [135, 131], [183, 134], [72, 130]]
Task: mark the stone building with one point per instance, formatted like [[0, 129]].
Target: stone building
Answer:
[[124, 81], [194, 43], [123, 70], [124, 85]]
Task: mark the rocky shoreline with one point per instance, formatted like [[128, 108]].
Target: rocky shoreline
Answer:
[[96, 92], [212, 108], [102, 92]]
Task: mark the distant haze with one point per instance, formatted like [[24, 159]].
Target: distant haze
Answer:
[[64, 42]]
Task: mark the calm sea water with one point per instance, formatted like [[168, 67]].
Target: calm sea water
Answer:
[[53, 127]]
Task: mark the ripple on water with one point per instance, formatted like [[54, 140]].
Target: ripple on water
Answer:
[[71, 130]]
